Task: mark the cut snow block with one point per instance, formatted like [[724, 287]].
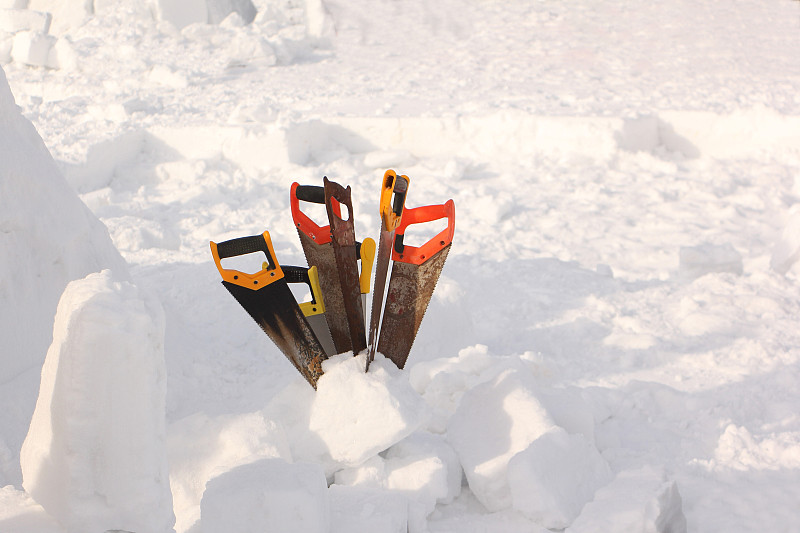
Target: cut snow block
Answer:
[[13, 4], [696, 261], [201, 447], [267, 495], [181, 13], [32, 48], [357, 415], [218, 10], [15, 20], [494, 421], [414, 470], [367, 510], [95, 453], [424, 447], [636, 501], [553, 478]]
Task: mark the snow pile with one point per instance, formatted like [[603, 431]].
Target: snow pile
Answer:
[[95, 454]]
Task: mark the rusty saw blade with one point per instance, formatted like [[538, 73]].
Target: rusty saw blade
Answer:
[[343, 238], [415, 271], [267, 298], [391, 212]]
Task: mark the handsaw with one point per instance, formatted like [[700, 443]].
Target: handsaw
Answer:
[[343, 239], [266, 296], [415, 271], [391, 211], [318, 248]]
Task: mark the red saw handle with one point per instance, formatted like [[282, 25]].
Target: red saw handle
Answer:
[[419, 215], [314, 194]]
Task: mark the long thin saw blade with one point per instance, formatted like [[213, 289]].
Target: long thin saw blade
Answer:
[[267, 298], [415, 272], [318, 249], [343, 239], [391, 213]]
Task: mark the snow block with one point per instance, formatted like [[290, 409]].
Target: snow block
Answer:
[[423, 469], [32, 48], [366, 510], [15, 20], [182, 13], [268, 495], [636, 501], [201, 447], [422, 446], [553, 478], [495, 421], [95, 453], [696, 261], [357, 414]]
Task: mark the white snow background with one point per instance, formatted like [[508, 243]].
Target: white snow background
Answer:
[[614, 344]]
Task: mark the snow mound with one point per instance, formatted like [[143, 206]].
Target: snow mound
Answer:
[[268, 495], [95, 454]]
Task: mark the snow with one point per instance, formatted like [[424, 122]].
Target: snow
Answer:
[[613, 342]]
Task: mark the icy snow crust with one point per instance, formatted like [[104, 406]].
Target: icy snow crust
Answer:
[[613, 344]]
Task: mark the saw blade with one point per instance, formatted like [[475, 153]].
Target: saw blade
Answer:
[[410, 289], [391, 214], [274, 309], [415, 271], [344, 250]]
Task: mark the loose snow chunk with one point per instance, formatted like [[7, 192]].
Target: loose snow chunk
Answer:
[[95, 454], [697, 261], [495, 421], [555, 476], [268, 495], [636, 501], [358, 414]]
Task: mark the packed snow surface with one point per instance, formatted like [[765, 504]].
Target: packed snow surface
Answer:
[[613, 344]]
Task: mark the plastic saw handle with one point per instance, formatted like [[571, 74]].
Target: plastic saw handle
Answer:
[[309, 276], [244, 246], [314, 194], [419, 215], [391, 211]]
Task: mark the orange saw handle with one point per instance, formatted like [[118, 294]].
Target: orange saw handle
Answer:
[[315, 195], [419, 215], [392, 211], [243, 246]]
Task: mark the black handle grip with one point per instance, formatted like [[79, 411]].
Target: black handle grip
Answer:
[[400, 190], [243, 246], [310, 193], [298, 274]]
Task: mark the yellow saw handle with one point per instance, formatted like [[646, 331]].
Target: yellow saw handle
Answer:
[[392, 211]]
